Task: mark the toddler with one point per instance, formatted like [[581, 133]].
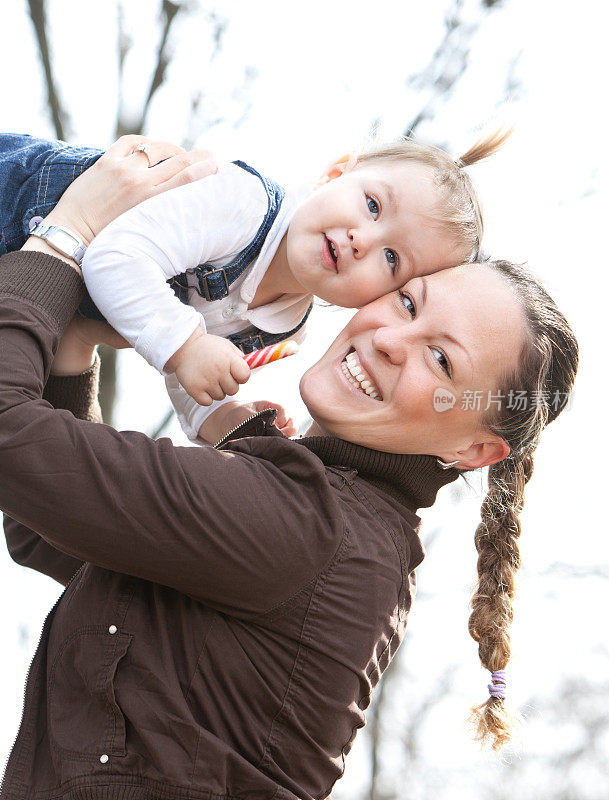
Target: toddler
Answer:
[[196, 276]]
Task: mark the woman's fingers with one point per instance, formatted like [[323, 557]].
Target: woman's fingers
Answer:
[[121, 179], [182, 168], [125, 146]]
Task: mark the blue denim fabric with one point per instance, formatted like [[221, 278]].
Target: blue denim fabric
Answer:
[[34, 173], [214, 282]]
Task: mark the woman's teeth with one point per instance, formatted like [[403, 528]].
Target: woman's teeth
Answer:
[[333, 252], [358, 377]]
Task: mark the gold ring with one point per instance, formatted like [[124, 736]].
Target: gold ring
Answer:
[[141, 148]]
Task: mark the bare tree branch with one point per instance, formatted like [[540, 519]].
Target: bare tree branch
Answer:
[[124, 45], [107, 383], [162, 424], [170, 11], [560, 569], [219, 26], [61, 121], [449, 61]]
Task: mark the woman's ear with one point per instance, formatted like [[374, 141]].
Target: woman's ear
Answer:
[[338, 168], [480, 454]]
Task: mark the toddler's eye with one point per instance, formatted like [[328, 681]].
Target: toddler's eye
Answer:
[[392, 259], [407, 302], [442, 360], [373, 207]]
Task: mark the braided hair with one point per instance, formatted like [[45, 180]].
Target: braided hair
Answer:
[[546, 373]]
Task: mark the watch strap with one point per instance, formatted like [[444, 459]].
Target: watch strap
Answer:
[[61, 239]]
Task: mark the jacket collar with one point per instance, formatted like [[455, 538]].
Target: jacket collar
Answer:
[[413, 480]]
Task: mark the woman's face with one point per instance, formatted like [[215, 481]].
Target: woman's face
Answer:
[[404, 374]]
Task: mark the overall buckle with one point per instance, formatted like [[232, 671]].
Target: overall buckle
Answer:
[[251, 344], [205, 286]]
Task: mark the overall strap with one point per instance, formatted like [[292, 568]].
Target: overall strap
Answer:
[[255, 339], [214, 282]]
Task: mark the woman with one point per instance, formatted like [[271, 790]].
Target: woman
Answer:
[[228, 611]]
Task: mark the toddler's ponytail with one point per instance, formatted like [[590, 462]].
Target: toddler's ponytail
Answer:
[[460, 209], [485, 147]]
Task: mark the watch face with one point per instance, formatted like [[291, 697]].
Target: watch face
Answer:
[[63, 240]]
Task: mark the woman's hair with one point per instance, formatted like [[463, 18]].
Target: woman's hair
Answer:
[[460, 212], [538, 390]]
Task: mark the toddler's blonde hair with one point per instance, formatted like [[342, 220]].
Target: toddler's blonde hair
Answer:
[[460, 210]]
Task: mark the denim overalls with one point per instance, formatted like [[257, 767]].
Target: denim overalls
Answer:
[[34, 173]]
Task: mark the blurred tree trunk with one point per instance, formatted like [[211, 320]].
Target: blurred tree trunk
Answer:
[[169, 11], [58, 114], [128, 123]]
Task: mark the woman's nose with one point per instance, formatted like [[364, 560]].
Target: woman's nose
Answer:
[[391, 342]]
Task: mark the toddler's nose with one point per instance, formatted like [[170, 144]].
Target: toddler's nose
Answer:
[[360, 241]]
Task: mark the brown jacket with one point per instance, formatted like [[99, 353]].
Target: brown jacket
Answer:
[[227, 612]]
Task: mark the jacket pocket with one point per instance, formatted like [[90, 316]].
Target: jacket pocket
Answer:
[[84, 716]]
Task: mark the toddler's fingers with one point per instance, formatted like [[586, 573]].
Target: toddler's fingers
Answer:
[[240, 370], [216, 392], [229, 385], [202, 398], [289, 429], [282, 417]]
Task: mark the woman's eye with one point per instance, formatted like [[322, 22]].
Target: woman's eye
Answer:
[[442, 360], [406, 301], [373, 207], [392, 259]]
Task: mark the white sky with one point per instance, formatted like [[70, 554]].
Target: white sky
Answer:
[[325, 72]]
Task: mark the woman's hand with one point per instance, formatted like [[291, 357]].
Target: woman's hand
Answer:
[[121, 179], [229, 415], [76, 350]]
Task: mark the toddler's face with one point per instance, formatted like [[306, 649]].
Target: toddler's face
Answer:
[[368, 232]]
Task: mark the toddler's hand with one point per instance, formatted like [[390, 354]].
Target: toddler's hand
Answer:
[[209, 367], [230, 415]]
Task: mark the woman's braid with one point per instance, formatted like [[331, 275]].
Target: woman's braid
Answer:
[[496, 541], [547, 368]]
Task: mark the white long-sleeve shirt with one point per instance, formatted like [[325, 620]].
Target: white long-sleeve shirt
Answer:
[[127, 266]]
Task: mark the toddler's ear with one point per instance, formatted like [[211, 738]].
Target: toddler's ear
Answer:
[[338, 167]]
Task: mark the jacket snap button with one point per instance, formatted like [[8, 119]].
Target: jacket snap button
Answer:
[[228, 312], [104, 759], [112, 629]]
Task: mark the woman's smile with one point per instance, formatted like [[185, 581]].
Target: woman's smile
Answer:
[[359, 378]]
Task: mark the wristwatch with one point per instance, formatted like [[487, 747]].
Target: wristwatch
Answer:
[[61, 239]]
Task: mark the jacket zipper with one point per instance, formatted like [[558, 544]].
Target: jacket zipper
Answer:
[[27, 676], [227, 436]]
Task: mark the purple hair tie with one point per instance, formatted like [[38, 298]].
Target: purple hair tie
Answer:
[[497, 687]]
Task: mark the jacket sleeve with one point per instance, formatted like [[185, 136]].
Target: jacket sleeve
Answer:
[[241, 529], [78, 394]]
